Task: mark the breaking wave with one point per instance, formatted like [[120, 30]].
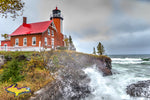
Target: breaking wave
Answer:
[[130, 60]]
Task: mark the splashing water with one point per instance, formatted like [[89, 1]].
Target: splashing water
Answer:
[[114, 87]]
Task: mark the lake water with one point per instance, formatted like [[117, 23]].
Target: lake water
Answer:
[[129, 69]]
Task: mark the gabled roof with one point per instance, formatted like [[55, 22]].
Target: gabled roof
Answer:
[[32, 28]]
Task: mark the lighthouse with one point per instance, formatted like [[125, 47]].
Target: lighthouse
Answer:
[[57, 19]]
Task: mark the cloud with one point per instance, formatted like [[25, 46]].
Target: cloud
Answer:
[[121, 25], [126, 24]]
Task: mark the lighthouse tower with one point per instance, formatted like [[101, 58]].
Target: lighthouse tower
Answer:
[[57, 19]]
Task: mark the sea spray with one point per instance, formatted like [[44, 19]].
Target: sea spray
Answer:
[[114, 87]]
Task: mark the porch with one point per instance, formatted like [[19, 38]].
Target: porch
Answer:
[[23, 48]]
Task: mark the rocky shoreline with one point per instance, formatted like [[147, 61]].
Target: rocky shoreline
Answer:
[[139, 89], [72, 83]]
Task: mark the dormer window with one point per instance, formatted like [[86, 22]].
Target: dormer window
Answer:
[[48, 31]]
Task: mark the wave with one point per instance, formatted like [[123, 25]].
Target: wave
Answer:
[[130, 61], [146, 59]]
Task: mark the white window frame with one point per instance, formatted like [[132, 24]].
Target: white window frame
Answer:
[[45, 40], [16, 40], [48, 31], [24, 42], [33, 40], [52, 33]]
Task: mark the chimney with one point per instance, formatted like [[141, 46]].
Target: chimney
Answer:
[[24, 20]]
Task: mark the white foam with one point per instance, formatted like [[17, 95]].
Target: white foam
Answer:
[[111, 87], [127, 60]]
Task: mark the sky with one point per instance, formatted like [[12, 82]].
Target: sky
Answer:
[[122, 26]]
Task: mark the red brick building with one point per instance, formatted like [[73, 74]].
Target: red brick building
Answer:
[[35, 36]]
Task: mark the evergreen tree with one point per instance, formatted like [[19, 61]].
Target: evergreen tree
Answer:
[[100, 49], [94, 52], [70, 39]]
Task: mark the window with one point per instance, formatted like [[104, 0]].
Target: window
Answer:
[[45, 40], [52, 42], [25, 42], [48, 31], [33, 40], [52, 33], [16, 42]]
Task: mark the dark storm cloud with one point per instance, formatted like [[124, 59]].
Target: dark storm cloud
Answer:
[[130, 26], [144, 0]]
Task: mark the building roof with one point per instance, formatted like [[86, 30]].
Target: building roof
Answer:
[[31, 28]]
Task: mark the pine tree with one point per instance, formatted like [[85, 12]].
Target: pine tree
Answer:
[[100, 49], [94, 52], [70, 39]]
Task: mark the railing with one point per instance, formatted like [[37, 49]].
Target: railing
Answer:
[[56, 15], [22, 48]]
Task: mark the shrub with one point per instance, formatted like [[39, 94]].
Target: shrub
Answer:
[[12, 73]]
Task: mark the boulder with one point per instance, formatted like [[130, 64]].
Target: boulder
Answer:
[[8, 58], [139, 89], [72, 84], [21, 57]]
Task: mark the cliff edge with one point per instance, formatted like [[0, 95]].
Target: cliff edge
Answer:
[[71, 82]]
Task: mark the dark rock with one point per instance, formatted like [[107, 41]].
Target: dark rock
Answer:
[[28, 59], [75, 84], [139, 89], [72, 84], [21, 57], [35, 54], [8, 58]]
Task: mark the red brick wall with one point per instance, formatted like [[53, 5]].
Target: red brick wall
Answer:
[[57, 24], [58, 38], [5, 42], [29, 39]]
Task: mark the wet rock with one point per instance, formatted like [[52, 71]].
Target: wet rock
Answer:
[[104, 67], [75, 84], [139, 89], [21, 57], [8, 58], [72, 84]]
